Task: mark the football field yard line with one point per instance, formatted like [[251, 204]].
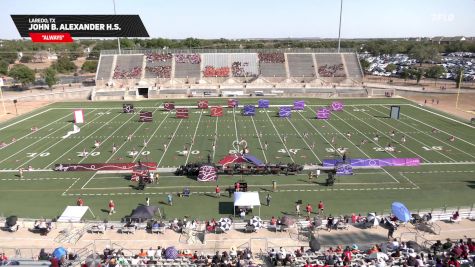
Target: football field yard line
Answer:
[[408, 135], [45, 150], [138, 128], [67, 189], [151, 136], [24, 119], [473, 156], [369, 139], [80, 142], [387, 136], [313, 126], [409, 180], [37, 141], [435, 127], [169, 142], [440, 115], [303, 139], [38, 130], [235, 127], [259, 139], [193, 138], [110, 135], [215, 141], [278, 134], [84, 185]]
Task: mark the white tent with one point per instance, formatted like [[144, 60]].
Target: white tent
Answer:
[[74, 214], [247, 199]]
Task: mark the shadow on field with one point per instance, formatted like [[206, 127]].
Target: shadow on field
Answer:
[[471, 184], [226, 208]]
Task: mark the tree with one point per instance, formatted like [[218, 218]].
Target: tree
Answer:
[[64, 65], [391, 67], [424, 53], [89, 66], [3, 67], [26, 59], [365, 64], [435, 72], [418, 74], [405, 74], [22, 74], [50, 77]]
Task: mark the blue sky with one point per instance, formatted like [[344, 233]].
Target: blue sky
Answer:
[[268, 18]]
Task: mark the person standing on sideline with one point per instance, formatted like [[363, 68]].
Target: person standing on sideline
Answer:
[[265, 145], [157, 177], [111, 207], [321, 207], [390, 232], [268, 198], [218, 191], [170, 200], [114, 148], [21, 172], [79, 202], [297, 209], [309, 209], [318, 173], [147, 201]]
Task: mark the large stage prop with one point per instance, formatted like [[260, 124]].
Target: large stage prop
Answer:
[[233, 103], [203, 104], [395, 112], [249, 110], [78, 116], [207, 173], [299, 105], [384, 162], [169, 106], [263, 103], [103, 167], [325, 112], [216, 111], [127, 108], [145, 116], [182, 113], [285, 112]]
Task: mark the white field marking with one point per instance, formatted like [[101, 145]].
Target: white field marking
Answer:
[[168, 145], [430, 135], [235, 125], [415, 139], [458, 138], [449, 163], [194, 135], [38, 130], [77, 180], [410, 181], [387, 136], [27, 118], [215, 138], [80, 142], [118, 128], [369, 139], [37, 141], [334, 148], [125, 142], [35, 170], [311, 150], [390, 175], [278, 134], [84, 185], [151, 136], [36, 179], [259, 139], [440, 115]]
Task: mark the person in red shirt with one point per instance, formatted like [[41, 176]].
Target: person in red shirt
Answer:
[[111, 207], [218, 191], [308, 209], [347, 255], [321, 207], [471, 245], [80, 202], [236, 187]]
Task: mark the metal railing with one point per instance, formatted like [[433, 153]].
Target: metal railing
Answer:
[[209, 50]]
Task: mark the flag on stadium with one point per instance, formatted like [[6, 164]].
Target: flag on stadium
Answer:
[[182, 113], [249, 110], [169, 106], [203, 104], [233, 103], [216, 111]]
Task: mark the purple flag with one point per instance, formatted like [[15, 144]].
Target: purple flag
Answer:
[[263, 103]]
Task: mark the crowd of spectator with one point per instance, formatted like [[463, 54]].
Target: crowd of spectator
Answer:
[[211, 71], [388, 254], [134, 73], [154, 57], [237, 69], [160, 71], [331, 70], [188, 58], [271, 57]]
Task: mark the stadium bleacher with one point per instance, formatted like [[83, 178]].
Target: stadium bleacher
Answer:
[[158, 65], [187, 65], [354, 69], [128, 67], [105, 68], [272, 65], [330, 65], [301, 65]]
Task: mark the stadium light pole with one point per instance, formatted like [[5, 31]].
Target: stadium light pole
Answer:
[[339, 28], [118, 38]]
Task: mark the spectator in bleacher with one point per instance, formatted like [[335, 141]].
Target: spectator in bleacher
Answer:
[[436, 247], [455, 216], [347, 256], [43, 256], [470, 245], [453, 262], [330, 220], [447, 245]]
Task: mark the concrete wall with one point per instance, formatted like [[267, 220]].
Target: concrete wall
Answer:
[[55, 95]]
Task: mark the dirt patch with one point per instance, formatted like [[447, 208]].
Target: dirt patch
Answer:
[[447, 103], [21, 107]]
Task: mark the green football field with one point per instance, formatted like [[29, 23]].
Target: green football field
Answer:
[[446, 176]]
